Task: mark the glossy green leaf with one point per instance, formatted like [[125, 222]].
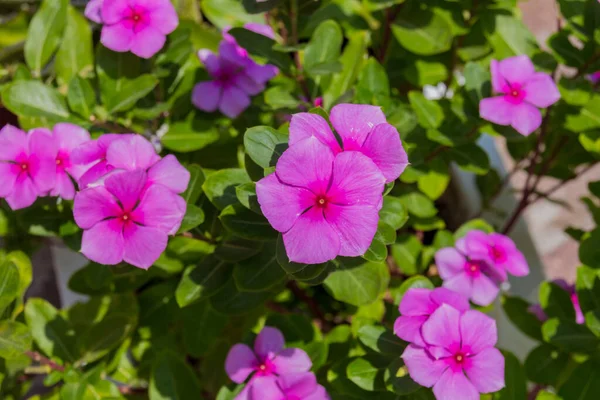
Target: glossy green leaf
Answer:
[[398, 380], [15, 339], [423, 31], [220, 186], [358, 282], [247, 224], [81, 96], [194, 189], [265, 145], [365, 374], [172, 378], [381, 340], [405, 253], [544, 364], [517, 311], [229, 300], [324, 46], [201, 281], [429, 113], [75, 55], [514, 377], [9, 284], [260, 272], [570, 336], [45, 32], [194, 216], [34, 99], [583, 382]]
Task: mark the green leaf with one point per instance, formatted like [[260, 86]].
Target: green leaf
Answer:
[[189, 249], [247, 224], [373, 84], [435, 181], [381, 340], [51, 332], [202, 327], [514, 377], [544, 364], [262, 46], [398, 380], [377, 251], [365, 375], [570, 336], [278, 97], [15, 339], [556, 301], [296, 268], [190, 135], [229, 300], [236, 249], [172, 379], [9, 284], [393, 212], [405, 253], [265, 145], [75, 54], [476, 224], [422, 31], [81, 97], [130, 92], [426, 72], [260, 272], [201, 281], [352, 60], [220, 186], [246, 194], [583, 383], [295, 327], [517, 311], [226, 13], [589, 251], [477, 83], [23, 264], [194, 216], [105, 336], [194, 189], [418, 205], [324, 46], [358, 282], [44, 33], [429, 112], [471, 158], [507, 35], [34, 99]]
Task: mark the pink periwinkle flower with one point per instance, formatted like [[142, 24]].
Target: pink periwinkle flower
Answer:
[[27, 165], [416, 307], [268, 360], [497, 249], [460, 360], [324, 204], [594, 77], [127, 219], [235, 77], [538, 311], [362, 128], [522, 91], [139, 26], [301, 386]]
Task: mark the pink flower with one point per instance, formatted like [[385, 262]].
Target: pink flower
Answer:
[[235, 77], [67, 137], [497, 249], [538, 311], [522, 91], [594, 77], [417, 306], [27, 165], [301, 386], [325, 205], [460, 360], [126, 219], [139, 26], [269, 359], [362, 128]]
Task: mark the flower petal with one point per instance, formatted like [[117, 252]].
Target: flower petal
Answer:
[[127, 187], [384, 147], [460, 283], [247, 84], [478, 331], [93, 205], [94, 174], [103, 243], [305, 125], [498, 82], [93, 11], [497, 110], [232, 56], [307, 164], [353, 122], [541, 90], [233, 102], [299, 385], [114, 11], [311, 240], [170, 173], [207, 95], [409, 328], [356, 225], [526, 119], [143, 245], [356, 181], [319, 394], [282, 204], [486, 371], [455, 385], [64, 187], [484, 290], [261, 73], [147, 42], [449, 262], [422, 368], [8, 177], [266, 388], [292, 361], [210, 61], [117, 37], [158, 208], [442, 328], [13, 142], [516, 70], [417, 301], [131, 153], [268, 343], [455, 299], [24, 193], [164, 18], [261, 29], [69, 136], [240, 363]]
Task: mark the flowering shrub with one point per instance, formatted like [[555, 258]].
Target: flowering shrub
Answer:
[[268, 199]]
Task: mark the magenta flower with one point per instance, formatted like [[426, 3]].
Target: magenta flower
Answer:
[[538, 311], [498, 250], [460, 361], [473, 277], [269, 359], [301, 386], [325, 205], [594, 77], [235, 77], [27, 165], [126, 219], [417, 306], [522, 91], [67, 137], [139, 26], [362, 128]]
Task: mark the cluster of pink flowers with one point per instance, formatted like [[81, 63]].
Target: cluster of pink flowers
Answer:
[[276, 372], [139, 26], [235, 76], [522, 91], [538, 311], [325, 196], [478, 264], [451, 347], [129, 200]]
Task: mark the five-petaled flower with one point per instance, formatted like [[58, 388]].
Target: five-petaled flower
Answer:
[[362, 128], [324, 204], [301, 386], [522, 92], [460, 360], [139, 26]]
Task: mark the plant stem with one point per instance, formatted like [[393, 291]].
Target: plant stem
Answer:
[[37, 357], [390, 16]]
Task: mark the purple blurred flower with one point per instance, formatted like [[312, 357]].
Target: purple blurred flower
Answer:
[[522, 91], [416, 307], [460, 360], [594, 77], [538, 311], [301, 386], [497, 249]]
